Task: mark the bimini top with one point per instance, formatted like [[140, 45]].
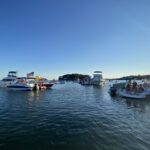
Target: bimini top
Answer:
[[12, 74], [12, 71], [97, 71]]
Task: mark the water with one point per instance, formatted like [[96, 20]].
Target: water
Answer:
[[73, 117]]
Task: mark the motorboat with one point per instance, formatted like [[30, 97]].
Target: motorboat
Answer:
[[133, 95], [44, 83], [48, 84], [9, 80], [98, 78], [22, 84]]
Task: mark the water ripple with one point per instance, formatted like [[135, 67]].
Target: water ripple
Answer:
[[72, 116]]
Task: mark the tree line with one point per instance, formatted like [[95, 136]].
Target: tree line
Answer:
[[73, 77]]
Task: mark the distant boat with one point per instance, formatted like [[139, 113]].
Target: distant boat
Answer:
[[43, 82], [10, 79], [98, 78], [61, 82]]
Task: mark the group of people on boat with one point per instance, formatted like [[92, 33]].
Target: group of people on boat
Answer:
[[134, 87], [146, 85]]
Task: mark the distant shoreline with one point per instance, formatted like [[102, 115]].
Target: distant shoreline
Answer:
[[76, 76], [132, 77]]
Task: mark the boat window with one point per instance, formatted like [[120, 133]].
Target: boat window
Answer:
[[8, 80], [12, 76]]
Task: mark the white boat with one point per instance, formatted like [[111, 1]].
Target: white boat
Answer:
[[98, 78], [146, 86], [22, 84], [10, 79], [43, 82], [133, 95]]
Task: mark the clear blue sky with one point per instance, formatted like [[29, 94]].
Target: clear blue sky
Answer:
[[54, 37]]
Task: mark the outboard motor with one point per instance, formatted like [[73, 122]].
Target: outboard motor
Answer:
[[113, 91]]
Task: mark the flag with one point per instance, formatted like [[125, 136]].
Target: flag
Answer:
[[31, 74]]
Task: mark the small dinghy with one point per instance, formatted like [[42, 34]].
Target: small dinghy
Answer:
[[133, 95]]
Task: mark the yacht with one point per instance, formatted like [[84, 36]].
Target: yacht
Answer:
[[22, 84], [10, 79], [98, 78]]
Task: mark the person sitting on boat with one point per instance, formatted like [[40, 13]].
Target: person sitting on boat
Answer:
[[145, 85], [129, 86], [134, 87], [140, 88]]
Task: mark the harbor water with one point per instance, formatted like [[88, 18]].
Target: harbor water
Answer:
[[73, 117]]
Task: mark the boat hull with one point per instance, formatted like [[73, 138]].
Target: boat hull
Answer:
[[101, 82], [132, 95], [21, 87], [48, 85], [5, 84]]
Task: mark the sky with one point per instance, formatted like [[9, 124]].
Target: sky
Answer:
[[56, 37]]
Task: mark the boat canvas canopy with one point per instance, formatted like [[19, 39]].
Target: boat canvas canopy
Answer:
[[12, 71], [97, 71]]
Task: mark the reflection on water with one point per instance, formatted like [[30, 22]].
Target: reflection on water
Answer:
[[35, 95], [72, 116]]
